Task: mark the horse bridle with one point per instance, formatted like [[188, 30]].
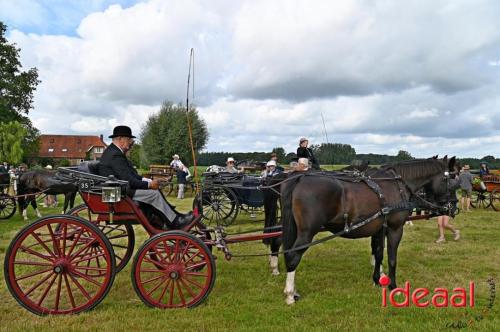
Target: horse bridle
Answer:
[[447, 207]]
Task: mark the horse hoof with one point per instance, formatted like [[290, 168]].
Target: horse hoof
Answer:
[[290, 300], [276, 273], [296, 296]]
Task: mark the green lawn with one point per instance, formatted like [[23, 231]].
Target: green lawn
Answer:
[[334, 280]]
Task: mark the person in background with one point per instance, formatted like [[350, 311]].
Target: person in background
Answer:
[[183, 176], [274, 157], [444, 222], [176, 162], [4, 168], [271, 169], [303, 151], [230, 167], [483, 170], [302, 165], [465, 180]]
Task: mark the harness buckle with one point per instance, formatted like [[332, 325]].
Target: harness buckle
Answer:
[[385, 210]]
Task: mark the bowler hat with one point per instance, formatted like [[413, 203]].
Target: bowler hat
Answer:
[[122, 131]]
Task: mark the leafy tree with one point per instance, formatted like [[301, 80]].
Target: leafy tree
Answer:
[[280, 153], [16, 92], [166, 134], [334, 153], [403, 155], [489, 159], [11, 135], [137, 156]]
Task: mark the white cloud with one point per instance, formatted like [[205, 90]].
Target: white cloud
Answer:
[[385, 75]]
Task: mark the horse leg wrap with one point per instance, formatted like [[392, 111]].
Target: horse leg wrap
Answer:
[[25, 214], [274, 265], [290, 288]]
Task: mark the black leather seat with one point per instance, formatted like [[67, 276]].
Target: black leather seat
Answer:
[[91, 167]]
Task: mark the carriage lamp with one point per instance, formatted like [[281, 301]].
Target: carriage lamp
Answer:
[[111, 191]]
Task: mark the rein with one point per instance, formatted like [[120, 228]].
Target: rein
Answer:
[[346, 230], [31, 194]]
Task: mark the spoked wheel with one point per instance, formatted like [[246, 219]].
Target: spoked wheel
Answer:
[[480, 199], [219, 205], [173, 270], [121, 237], [7, 206], [495, 199], [59, 265]]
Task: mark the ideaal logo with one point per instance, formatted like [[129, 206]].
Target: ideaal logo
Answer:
[[423, 297]]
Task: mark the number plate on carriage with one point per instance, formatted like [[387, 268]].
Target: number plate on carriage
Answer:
[[85, 185]]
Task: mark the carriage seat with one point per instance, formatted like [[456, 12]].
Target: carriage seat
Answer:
[[91, 167]]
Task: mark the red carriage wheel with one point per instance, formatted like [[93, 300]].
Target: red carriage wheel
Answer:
[[122, 237], [173, 270], [59, 265]]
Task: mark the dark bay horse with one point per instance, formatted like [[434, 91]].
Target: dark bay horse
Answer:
[[312, 202], [36, 181]]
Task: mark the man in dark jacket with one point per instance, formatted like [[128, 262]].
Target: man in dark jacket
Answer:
[[114, 162], [305, 152]]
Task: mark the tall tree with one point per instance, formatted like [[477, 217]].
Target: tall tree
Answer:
[[166, 134], [16, 91], [280, 153], [403, 155], [334, 153], [11, 135], [137, 156]]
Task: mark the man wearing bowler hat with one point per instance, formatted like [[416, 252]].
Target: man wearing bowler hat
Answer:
[[114, 162]]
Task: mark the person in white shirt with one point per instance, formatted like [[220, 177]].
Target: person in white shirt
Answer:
[[176, 162]]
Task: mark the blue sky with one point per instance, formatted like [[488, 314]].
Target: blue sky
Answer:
[[421, 76], [52, 17]]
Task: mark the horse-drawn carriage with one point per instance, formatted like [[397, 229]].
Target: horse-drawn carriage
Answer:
[[224, 195], [486, 192], [67, 263], [7, 202]]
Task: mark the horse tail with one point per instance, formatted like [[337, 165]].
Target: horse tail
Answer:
[[288, 221]]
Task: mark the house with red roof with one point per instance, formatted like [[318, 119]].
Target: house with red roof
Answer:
[[74, 148]]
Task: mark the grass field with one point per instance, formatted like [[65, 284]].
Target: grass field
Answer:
[[334, 280]]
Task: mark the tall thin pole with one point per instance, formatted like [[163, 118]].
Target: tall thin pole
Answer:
[[190, 130], [324, 128]]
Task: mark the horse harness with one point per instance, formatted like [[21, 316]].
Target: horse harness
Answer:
[[406, 203]]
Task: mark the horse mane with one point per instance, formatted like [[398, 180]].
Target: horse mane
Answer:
[[416, 168]]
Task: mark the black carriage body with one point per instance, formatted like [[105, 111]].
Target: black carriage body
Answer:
[[244, 186], [225, 194]]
